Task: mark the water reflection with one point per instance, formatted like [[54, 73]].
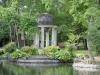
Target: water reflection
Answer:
[[13, 69]]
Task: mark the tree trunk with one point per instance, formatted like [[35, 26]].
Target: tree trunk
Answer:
[[17, 36], [89, 49], [24, 39], [10, 34], [85, 43]]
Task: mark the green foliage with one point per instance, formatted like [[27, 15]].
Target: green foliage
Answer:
[[4, 25], [93, 33], [27, 24], [10, 47], [62, 33], [69, 47], [94, 36], [8, 17], [73, 37], [19, 54], [50, 51], [30, 50], [64, 55], [63, 22], [72, 42]]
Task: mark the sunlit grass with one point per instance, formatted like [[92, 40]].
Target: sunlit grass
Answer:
[[82, 52]]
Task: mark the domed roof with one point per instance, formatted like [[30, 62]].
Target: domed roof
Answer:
[[45, 19]]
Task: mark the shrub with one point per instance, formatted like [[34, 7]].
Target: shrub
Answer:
[[10, 47], [64, 55], [50, 51], [31, 50], [19, 54]]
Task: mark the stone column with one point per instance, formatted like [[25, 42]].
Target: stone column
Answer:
[[47, 38], [55, 41], [23, 38], [36, 40], [42, 37], [53, 36]]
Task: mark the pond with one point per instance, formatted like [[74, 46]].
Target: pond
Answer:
[[15, 69]]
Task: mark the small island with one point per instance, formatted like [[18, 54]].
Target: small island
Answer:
[[49, 37]]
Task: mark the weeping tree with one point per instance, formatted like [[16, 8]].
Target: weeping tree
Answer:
[[94, 28], [83, 12]]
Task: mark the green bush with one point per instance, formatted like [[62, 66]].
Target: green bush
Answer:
[[69, 49], [19, 54], [50, 51], [31, 50], [64, 55], [10, 47]]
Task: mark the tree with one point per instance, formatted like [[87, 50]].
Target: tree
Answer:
[[77, 9], [94, 27], [79, 14], [9, 18]]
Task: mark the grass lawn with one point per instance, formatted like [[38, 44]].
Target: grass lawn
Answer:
[[81, 52]]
